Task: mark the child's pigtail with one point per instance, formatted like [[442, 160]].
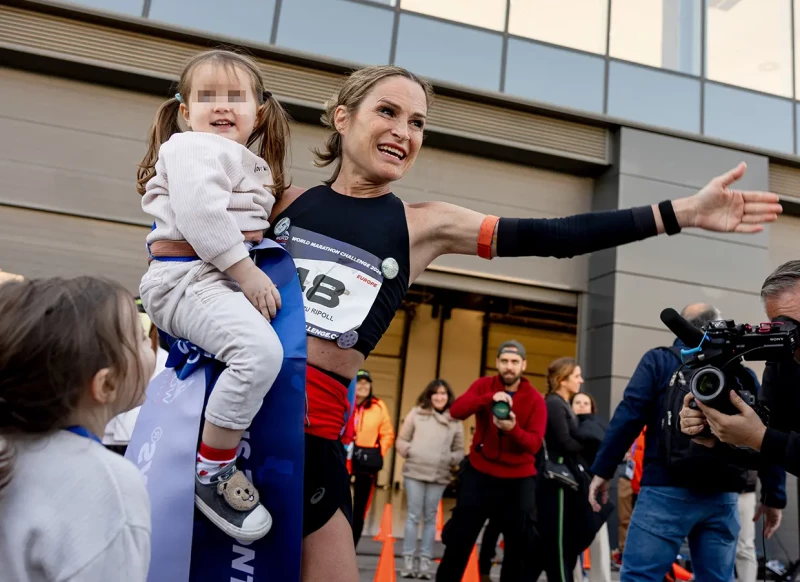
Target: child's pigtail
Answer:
[[164, 126], [273, 131]]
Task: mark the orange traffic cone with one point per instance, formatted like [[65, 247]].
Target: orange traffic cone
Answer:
[[681, 573], [386, 525], [385, 572], [439, 522], [473, 572]]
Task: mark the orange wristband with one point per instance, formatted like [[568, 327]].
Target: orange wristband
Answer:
[[485, 236]]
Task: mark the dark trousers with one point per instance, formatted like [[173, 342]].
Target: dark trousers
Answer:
[[508, 503], [362, 491], [488, 546], [555, 555]]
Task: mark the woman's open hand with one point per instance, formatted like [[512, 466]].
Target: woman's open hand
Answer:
[[720, 208]]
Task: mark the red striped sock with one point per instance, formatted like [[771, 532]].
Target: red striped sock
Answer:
[[211, 461]]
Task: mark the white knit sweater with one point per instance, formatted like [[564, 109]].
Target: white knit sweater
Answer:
[[73, 512], [207, 190]]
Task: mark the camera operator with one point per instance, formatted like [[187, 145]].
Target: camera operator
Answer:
[[686, 490], [780, 442], [498, 478]]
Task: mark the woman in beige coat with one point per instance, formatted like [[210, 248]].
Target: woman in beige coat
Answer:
[[431, 442]]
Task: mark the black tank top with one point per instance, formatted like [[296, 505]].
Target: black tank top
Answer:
[[352, 257]]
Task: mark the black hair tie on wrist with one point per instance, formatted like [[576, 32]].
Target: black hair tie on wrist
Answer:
[[671, 225]]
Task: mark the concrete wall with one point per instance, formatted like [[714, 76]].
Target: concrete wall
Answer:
[[630, 285], [72, 147]]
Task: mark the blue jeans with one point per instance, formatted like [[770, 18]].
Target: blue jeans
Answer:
[[423, 501], [664, 516]]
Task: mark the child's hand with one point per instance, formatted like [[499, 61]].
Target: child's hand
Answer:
[[257, 287]]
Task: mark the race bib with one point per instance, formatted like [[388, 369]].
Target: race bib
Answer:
[[340, 282]]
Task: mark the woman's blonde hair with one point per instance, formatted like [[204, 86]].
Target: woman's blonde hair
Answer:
[[558, 371], [271, 132], [350, 96]]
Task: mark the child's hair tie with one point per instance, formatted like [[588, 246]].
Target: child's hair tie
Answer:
[[178, 97], [267, 95]]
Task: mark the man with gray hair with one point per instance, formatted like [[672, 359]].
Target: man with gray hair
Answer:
[[699, 314], [701, 504], [780, 443]]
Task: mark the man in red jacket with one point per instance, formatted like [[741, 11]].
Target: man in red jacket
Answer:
[[498, 479]]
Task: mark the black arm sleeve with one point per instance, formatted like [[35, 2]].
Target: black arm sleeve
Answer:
[[782, 449], [573, 235], [558, 429]]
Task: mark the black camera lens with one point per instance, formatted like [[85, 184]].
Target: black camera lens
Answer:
[[707, 383], [501, 409]]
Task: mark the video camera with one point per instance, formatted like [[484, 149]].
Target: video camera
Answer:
[[714, 363]]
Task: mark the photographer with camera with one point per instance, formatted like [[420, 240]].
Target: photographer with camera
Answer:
[[778, 440], [686, 490], [497, 481]]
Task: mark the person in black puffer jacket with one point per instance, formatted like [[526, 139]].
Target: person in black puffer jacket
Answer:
[[591, 431]]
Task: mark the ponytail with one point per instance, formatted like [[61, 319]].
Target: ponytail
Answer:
[[331, 154], [272, 129], [164, 127]]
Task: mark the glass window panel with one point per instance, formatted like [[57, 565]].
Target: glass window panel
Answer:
[[579, 24], [659, 33], [484, 13], [797, 128], [749, 118], [130, 7], [797, 49], [653, 97], [255, 23], [563, 77], [748, 43], [449, 52], [338, 29]]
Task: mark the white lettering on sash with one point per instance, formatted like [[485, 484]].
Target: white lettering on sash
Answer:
[[245, 554], [240, 563], [147, 451]]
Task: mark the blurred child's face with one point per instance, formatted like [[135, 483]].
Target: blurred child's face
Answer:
[[222, 102], [134, 385]]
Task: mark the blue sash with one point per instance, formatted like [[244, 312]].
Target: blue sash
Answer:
[[186, 547]]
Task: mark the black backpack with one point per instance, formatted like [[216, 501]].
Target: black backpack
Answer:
[[690, 464]]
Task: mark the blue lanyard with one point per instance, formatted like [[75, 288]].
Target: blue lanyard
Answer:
[[82, 431]]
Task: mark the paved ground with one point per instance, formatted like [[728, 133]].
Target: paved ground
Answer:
[[368, 552]]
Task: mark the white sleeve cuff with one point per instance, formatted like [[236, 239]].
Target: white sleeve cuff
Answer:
[[233, 255]]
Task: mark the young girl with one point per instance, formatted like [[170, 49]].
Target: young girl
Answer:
[[72, 356], [211, 198]]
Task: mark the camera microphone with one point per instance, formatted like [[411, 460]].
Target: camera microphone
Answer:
[[683, 330]]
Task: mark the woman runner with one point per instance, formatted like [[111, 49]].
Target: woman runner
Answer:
[[358, 248]]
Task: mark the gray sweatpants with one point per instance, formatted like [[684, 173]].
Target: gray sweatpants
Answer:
[[194, 301]]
